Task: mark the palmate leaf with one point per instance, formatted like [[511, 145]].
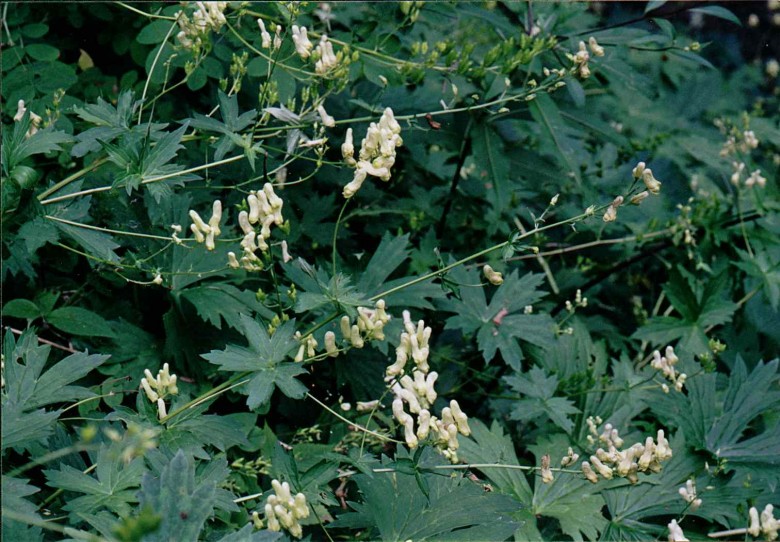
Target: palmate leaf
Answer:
[[183, 504], [17, 146], [572, 500], [699, 306], [230, 127], [193, 434], [322, 291], [109, 122], [632, 507], [112, 487], [14, 495], [455, 508], [28, 387], [716, 423], [537, 390], [500, 324], [265, 359], [494, 446], [217, 302], [95, 243]]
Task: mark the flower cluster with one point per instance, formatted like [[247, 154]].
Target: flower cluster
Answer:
[[641, 171], [418, 393], [308, 346], [301, 40], [579, 302], [581, 57], [369, 326], [755, 178], [744, 142], [157, 389], [327, 60], [666, 364], [208, 16], [377, 152], [624, 463], [35, 120], [688, 492], [610, 215], [265, 36], [493, 277], [766, 524], [265, 208], [570, 458], [283, 510], [206, 233]]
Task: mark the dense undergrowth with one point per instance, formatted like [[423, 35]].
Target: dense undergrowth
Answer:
[[397, 271]]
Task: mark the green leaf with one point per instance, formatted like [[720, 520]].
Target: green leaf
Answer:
[[456, 509], [699, 306], [35, 30], [113, 486], [17, 146], [183, 504], [494, 446], [500, 324], [654, 495], [42, 51], [95, 243], [21, 308], [13, 500], [489, 156], [718, 423], [28, 387], [154, 32], [391, 253], [572, 500], [762, 267], [231, 126], [216, 302], [654, 4], [718, 11], [264, 357], [538, 389], [37, 232], [78, 321], [545, 112], [319, 291], [249, 534]]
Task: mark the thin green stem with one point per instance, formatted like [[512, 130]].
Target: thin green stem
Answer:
[[151, 70], [351, 423], [51, 456], [335, 237], [43, 524], [145, 14], [479, 254], [258, 52], [228, 385], [67, 180], [145, 181], [107, 230]]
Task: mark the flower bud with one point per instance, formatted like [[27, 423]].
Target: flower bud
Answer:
[[591, 476], [327, 120], [330, 344], [638, 198], [494, 277], [652, 184]]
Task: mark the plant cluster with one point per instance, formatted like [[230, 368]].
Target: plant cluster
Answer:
[[555, 317]]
